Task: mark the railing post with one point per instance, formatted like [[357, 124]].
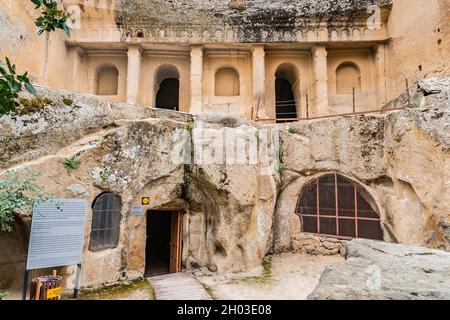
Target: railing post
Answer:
[[307, 107], [354, 106], [407, 93]]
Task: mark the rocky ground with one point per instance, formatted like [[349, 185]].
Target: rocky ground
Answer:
[[285, 276], [134, 290], [379, 270]]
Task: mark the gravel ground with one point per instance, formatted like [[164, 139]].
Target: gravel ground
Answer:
[[285, 276]]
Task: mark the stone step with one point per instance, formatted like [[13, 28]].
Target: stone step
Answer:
[[178, 286]]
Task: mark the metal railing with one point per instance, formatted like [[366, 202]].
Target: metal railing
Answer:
[[354, 112]]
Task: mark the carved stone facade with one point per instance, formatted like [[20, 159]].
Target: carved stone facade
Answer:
[[233, 67]]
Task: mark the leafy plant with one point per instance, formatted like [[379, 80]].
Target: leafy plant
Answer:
[[416, 104], [18, 195], [291, 130], [10, 85], [3, 295], [52, 17], [72, 163], [104, 175], [190, 124]]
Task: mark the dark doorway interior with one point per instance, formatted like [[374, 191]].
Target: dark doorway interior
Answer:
[[285, 100], [157, 251], [168, 94]]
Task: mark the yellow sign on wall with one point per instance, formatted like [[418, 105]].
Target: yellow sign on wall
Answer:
[[53, 293], [145, 200]]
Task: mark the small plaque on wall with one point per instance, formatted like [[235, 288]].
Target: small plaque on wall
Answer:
[[137, 210]]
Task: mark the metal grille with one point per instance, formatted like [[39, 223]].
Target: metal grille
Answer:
[[105, 222], [334, 205]]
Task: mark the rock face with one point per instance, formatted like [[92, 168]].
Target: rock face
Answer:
[[240, 20], [400, 158], [239, 208], [379, 270]]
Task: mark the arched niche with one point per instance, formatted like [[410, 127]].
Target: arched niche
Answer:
[[107, 80], [227, 83], [167, 87], [348, 77]]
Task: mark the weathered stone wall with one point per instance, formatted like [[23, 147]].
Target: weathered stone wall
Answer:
[[44, 57], [419, 33], [246, 21], [400, 158], [234, 213], [317, 246]]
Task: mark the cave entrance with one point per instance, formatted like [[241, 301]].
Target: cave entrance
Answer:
[[163, 245], [168, 94]]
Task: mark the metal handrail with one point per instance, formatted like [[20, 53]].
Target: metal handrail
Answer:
[[332, 115]]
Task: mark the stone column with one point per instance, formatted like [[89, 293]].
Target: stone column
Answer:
[[196, 79], [320, 68], [259, 83], [380, 66], [134, 73], [75, 57]]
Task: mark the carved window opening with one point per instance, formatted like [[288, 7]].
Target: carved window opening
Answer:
[[333, 205], [105, 229]]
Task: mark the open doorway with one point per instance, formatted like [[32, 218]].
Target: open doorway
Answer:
[[167, 87], [287, 82], [285, 100], [163, 247], [168, 94]]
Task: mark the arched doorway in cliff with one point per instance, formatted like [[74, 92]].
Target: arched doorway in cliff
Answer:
[[167, 87], [13, 248], [286, 85], [333, 205]]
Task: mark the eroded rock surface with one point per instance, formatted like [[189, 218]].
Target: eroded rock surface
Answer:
[[235, 212], [380, 270]]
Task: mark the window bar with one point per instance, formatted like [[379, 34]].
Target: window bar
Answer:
[[317, 206], [337, 203], [356, 211], [342, 218]]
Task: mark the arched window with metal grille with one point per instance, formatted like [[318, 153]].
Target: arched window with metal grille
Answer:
[[105, 229], [333, 205]]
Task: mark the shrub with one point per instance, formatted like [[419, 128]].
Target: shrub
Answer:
[[52, 17], [10, 85], [72, 163], [18, 195]]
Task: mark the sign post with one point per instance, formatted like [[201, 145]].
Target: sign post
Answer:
[[56, 238]]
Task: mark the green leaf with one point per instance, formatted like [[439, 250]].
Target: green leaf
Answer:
[[8, 64], [30, 89], [66, 29]]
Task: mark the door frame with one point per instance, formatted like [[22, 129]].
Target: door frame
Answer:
[[176, 237]]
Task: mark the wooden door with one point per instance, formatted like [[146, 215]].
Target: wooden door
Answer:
[[175, 242]]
